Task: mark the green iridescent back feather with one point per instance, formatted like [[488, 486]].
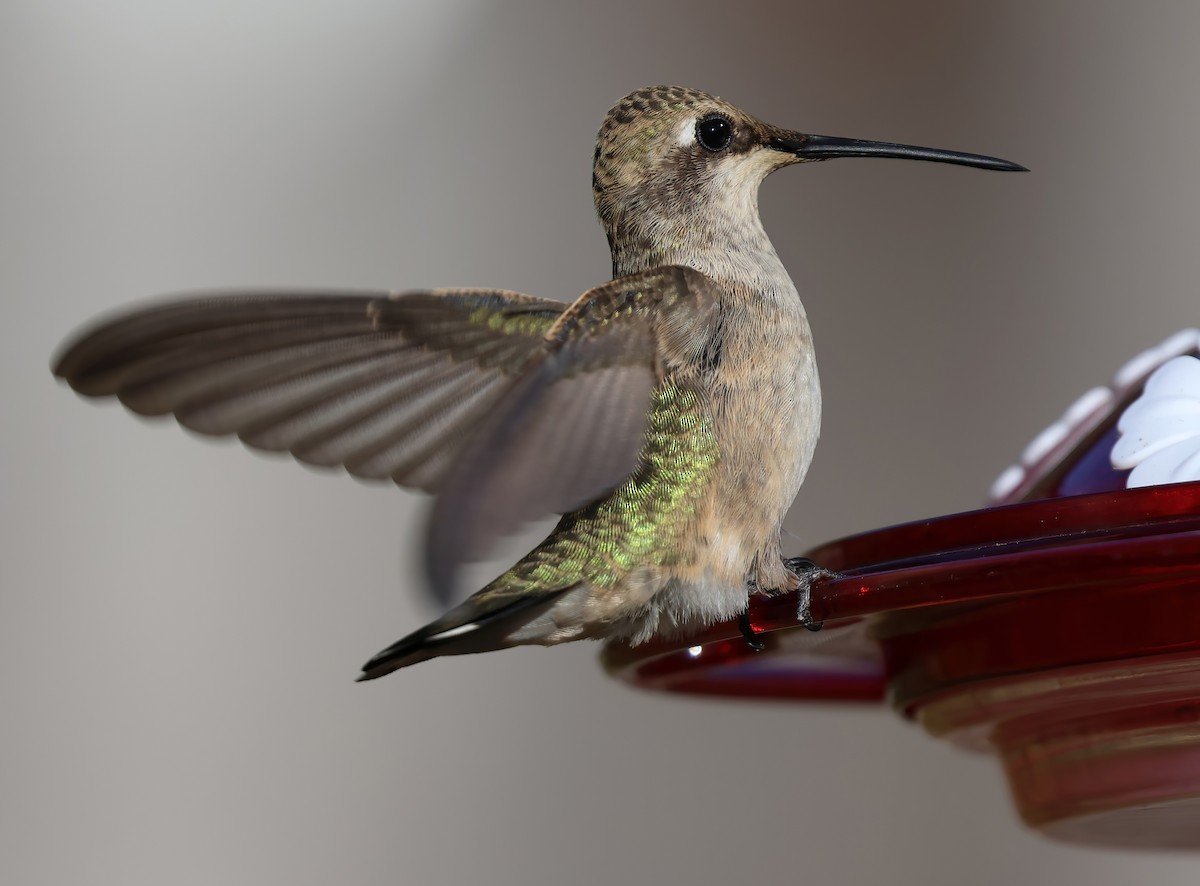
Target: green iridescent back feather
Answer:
[[644, 521]]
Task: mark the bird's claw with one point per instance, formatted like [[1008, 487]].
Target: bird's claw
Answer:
[[748, 632], [807, 572]]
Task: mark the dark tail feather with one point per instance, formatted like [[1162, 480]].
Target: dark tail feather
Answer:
[[463, 630]]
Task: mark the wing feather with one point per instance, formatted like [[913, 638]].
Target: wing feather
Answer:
[[508, 407], [337, 379], [572, 428], [278, 415]]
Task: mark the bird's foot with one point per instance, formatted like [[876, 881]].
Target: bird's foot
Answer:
[[748, 632], [807, 572]]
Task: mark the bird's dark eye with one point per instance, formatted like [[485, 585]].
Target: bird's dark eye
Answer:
[[714, 132]]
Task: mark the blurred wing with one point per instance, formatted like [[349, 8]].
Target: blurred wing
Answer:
[[571, 429], [384, 385]]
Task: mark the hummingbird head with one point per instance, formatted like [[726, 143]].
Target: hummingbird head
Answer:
[[669, 161], [677, 171]]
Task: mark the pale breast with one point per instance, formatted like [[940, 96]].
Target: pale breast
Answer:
[[767, 416]]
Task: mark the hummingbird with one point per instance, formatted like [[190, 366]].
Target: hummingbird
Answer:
[[669, 415]]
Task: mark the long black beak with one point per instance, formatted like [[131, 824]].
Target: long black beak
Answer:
[[826, 147]]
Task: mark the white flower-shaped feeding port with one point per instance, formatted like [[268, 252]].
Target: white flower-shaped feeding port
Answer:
[[1160, 430], [1153, 401]]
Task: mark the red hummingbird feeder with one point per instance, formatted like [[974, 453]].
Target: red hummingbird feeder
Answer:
[[1058, 629]]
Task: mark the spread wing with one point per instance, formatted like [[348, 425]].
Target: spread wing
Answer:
[[388, 386], [571, 429], [508, 407]]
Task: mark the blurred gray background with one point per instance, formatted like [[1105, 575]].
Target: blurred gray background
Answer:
[[183, 620]]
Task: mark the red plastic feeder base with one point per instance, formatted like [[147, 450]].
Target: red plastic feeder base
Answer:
[[1061, 634]]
